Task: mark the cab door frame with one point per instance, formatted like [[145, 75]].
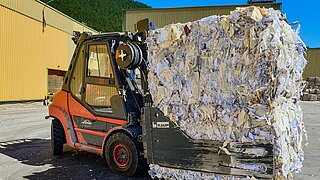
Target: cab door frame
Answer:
[[91, 126], [83, 89], [96, 80]]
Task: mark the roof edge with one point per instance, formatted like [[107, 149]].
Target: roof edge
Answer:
[[66, 16], [198, 7]]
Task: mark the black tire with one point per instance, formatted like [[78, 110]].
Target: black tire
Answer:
[[58, 137], [121, 154]]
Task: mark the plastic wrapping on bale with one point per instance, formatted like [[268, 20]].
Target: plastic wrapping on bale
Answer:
[[232, 78]]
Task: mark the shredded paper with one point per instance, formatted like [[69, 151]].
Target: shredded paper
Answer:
[[231, 78]]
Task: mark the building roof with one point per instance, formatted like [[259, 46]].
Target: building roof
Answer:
[[200, 7]]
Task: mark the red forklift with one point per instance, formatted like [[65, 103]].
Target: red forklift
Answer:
[[104, 109]]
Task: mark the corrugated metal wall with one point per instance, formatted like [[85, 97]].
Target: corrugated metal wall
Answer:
[[163, 16], [26, 52], [313, 66]]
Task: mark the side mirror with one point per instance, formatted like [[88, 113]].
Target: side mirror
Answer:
[[75, 38]]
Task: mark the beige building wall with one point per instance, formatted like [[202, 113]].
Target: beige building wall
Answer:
[[164, 16], [313, 65], [26, 52]]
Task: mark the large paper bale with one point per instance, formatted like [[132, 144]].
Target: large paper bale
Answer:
[[231, 78]]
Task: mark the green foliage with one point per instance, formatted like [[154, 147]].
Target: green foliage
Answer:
[[101, 15]]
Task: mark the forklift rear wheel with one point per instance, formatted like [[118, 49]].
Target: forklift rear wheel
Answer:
[[122, 155], [57, 137]]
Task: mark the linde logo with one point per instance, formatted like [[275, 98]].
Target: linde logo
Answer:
[[160, 124], [86, 122]]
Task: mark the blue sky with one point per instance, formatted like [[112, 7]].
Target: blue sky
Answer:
[[307, 12]]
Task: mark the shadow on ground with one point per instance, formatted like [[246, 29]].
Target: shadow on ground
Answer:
[[71, 165]]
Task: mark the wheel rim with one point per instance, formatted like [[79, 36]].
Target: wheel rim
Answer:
[[121, 155]]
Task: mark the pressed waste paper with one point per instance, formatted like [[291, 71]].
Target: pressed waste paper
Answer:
[[233, 78]]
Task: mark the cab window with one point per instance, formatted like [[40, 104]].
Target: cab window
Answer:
[[77, 75], [99, 64], [100, 83]]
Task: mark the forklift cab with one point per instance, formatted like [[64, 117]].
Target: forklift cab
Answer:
[[92, 81], [97, 82]]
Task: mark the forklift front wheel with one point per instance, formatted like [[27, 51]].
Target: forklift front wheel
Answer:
[[57, 137], [121, 154]]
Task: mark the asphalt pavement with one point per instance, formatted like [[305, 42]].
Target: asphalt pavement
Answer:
[[25, 151]]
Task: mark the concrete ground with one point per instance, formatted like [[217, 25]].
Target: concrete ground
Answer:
[[311, 164], [25, 151]]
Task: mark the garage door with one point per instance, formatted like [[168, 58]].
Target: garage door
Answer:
[[55, 80]]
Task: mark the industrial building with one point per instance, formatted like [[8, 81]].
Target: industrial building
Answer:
[[164, 16], [35, 48], [161, 17], [313, 67]]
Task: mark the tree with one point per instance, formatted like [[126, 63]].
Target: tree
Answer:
[[101, 15]]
